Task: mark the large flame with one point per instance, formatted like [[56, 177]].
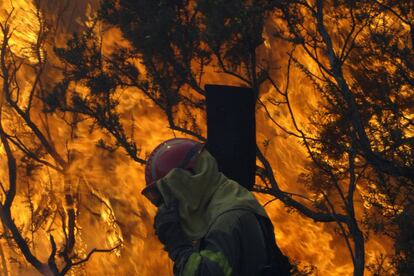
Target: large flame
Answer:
[[111, 209]]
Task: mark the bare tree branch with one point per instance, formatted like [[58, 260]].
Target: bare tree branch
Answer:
[[93, 251]]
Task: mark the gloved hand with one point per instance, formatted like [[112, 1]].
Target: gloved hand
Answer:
[[168, 229]]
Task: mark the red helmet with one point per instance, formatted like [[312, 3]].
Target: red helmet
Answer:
[[173, 153]]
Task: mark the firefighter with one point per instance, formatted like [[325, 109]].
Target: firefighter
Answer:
[[208, 223]]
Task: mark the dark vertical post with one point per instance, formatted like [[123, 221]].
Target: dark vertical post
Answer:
[[231, 131]]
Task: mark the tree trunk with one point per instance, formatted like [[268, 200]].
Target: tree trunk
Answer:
[[359, 243]]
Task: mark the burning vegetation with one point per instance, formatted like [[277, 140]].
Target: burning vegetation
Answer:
[[88, 88]]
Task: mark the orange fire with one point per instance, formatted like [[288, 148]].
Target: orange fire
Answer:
[[106, 185]]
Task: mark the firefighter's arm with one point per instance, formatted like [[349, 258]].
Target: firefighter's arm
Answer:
[[216, 258], [219, 252], [167, 228], [212, 260]]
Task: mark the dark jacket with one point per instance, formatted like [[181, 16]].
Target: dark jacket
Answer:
[[238, 243]]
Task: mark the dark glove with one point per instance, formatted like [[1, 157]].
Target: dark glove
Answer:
[[168, 229]]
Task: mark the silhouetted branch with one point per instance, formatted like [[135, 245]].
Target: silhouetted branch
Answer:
[[289, 201], [355, 116], [93, 251], [5, 208], [18, 143]]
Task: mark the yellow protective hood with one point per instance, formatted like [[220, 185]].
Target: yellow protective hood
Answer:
[[205, 195]]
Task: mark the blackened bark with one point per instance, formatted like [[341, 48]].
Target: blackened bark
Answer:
[[359, 251]]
